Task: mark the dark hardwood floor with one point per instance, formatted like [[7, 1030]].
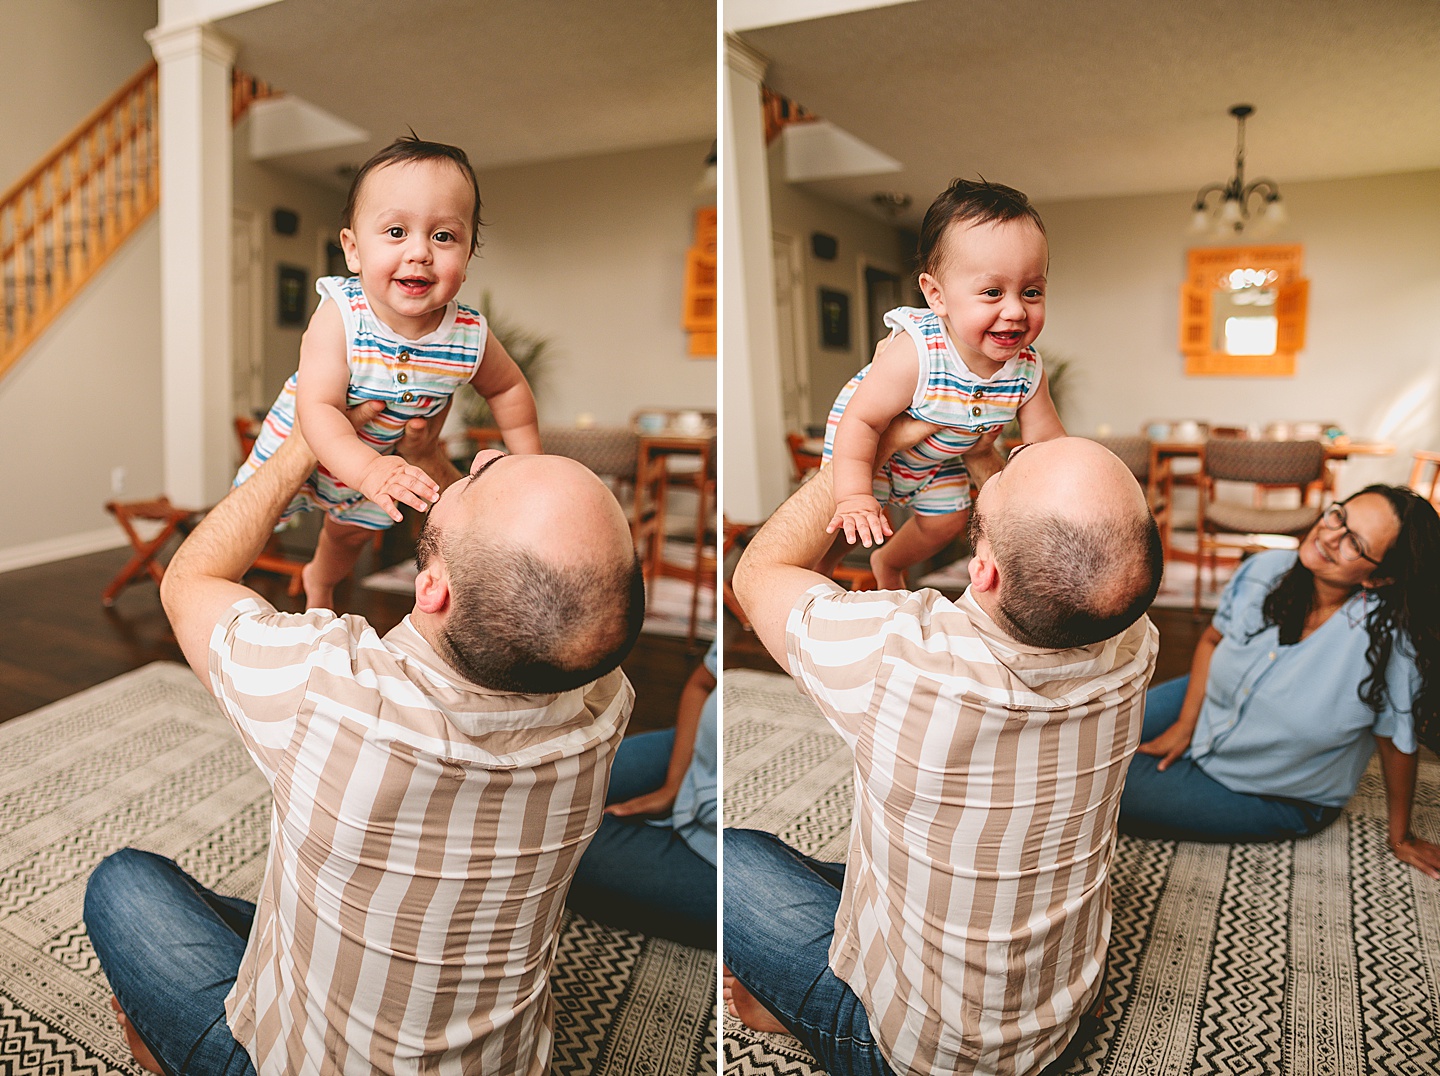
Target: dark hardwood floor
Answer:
[[56, 638]]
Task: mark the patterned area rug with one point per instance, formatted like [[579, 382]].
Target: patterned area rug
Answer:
[[1318, 957], [148, 760]]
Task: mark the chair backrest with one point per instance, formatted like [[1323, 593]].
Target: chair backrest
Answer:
[[610, 451], [1271, 463], [801, 458], [1134, 452]]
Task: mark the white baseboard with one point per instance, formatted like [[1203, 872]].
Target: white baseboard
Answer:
[[53, 549]]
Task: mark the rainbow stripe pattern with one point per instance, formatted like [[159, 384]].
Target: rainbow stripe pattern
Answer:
[[931, 478], [413, 378]]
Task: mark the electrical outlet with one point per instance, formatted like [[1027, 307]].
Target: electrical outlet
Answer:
[[117, 480]]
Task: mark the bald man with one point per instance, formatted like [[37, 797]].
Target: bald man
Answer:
[[966, 931], [433, 789]]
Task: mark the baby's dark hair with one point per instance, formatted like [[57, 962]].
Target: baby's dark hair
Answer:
[[969, 202], [407, 150]]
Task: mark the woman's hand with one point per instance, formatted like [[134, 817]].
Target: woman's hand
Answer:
[[650, 805], [1169, 745], [1421, 855]]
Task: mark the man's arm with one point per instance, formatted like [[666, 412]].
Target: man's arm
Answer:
[[202, 579], [776, 567]]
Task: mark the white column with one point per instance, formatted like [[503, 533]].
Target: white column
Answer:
[[195, 198], [757, 464]]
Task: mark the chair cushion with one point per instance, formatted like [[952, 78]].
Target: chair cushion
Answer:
[[1246, 519]]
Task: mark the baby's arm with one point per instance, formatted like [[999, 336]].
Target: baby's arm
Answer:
[[320, 404], [1039, 421], [505, 389], [885, 392]]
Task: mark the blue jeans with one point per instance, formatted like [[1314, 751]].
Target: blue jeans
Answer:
[[642, 877], [779, 921], [171, 949], [1186, 804]]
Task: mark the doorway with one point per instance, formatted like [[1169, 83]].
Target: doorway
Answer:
[[790, 332]]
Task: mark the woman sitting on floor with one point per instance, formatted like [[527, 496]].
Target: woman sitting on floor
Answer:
[[1313, 657], [651, 867]]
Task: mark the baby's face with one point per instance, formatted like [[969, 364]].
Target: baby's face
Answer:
[[409, 242], [990, 289]]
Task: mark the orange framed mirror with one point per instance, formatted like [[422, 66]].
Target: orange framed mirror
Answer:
[[1243, 311]]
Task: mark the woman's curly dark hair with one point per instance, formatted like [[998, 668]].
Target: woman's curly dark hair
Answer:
[[1408, 605]]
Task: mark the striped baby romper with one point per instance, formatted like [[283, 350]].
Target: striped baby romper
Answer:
[[413, 378]]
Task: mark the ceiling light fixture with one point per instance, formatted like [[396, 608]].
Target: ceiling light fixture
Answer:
[[891, 203], [1230, 213]]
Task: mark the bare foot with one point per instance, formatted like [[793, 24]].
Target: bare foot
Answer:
[[741, 1004], [886, 577], [316, 595], [143, 1057]]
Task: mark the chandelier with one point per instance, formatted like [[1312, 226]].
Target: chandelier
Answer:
[[1230, 212]]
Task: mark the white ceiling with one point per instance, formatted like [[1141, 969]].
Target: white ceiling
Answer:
[[511, 81], [1069, 99]]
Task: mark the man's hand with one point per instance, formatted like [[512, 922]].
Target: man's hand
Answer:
[[1169, 745], [904, 432], [983, 460], [862, 519], [1422, 855], [389, 480]]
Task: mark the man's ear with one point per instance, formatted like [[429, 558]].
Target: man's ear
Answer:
[[984, 572], [432, 588]]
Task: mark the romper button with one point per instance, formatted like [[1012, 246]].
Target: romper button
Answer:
[[404, 356], [403, 377], [979, 394], [977, 410], [407, 397]]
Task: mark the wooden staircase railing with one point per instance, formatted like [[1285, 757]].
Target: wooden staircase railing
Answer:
[[62, 220], [65, 217]]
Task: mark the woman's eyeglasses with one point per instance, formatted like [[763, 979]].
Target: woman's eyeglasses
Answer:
[[1351, 548]]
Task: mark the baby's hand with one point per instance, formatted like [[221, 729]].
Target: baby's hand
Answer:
[[862, 518], [390, 479]]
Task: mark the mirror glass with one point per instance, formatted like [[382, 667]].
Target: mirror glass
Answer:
[[1243, 313]]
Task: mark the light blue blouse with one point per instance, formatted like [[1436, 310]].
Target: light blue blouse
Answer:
[[694, 814], [1288, 720]]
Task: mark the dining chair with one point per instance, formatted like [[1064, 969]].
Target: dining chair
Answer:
[[272, 559], [803, 457], [1425, 475], [1275, 464]]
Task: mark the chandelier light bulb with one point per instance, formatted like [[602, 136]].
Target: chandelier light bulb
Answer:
[[1229, 212]]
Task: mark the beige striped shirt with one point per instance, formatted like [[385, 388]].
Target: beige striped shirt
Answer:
[[422, 841], [975, 913]]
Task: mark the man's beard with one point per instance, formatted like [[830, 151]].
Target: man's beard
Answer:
[[427, 546]]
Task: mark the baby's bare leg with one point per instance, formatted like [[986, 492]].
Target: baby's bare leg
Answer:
[[834, 555], [918, 538], [335, 556]]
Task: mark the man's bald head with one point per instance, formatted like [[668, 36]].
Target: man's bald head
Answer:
[[1077, 551], [545, 590]]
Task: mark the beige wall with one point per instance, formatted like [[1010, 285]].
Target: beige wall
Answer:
[[591, 253], [1372, 358], [85, 399], [62, 58], [861, 241], [263, 189]]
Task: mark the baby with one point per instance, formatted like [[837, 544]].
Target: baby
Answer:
[[392, 333], [965, 363]]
